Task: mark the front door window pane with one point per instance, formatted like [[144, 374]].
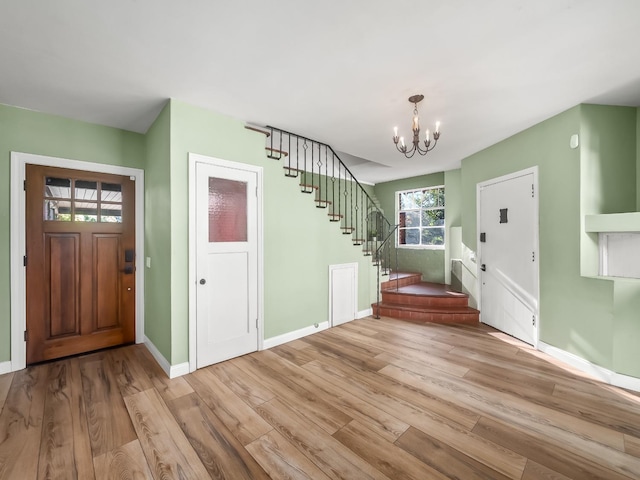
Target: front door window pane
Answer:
[[111, 192], [57, 210], [227, 210], [86, 191], [57, 187], [86, 212]]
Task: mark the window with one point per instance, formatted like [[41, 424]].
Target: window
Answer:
[[71, 200], [421, 217]]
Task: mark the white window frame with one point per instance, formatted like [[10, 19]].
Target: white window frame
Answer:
[[397, 219]]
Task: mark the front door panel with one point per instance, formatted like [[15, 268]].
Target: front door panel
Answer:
[[79, 297]]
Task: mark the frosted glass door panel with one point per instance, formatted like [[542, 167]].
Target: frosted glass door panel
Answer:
[[227, 210]]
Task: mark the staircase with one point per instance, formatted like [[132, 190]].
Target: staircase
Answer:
[[405, 296], [321, 173]]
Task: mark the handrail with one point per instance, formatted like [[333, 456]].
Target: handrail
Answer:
[[334, 153], [385, 243]]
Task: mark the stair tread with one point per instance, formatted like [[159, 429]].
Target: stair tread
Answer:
[[275, 150], [425, 289], [427, 309]]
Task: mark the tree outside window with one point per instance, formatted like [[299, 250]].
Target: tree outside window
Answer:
[[421, 217]]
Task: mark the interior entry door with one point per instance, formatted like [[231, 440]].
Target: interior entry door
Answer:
[[80, 262], [227, 263], [508, 229]]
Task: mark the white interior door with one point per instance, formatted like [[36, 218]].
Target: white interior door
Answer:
[[343, 292], [227, 263], [508, 226]]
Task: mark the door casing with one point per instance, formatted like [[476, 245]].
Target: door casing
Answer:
[[536, 240], [195, 158], [19, 161]]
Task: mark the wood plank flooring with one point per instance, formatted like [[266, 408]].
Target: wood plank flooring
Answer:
[[371, 399]]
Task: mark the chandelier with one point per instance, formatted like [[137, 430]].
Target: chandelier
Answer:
[[415, 127]]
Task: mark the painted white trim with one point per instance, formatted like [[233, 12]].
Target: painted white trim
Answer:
[[295, 335], [536, 241], [364, 313], [5, 367], [353, 266], [18, 241], [172, 371], [195, 158], [601, 373], [155, 353]]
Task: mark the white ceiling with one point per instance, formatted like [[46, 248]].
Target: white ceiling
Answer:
[[338, 71]]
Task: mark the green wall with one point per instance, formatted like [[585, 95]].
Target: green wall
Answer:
[[638, 159], [607, 170], [430, 263], [38, 133], [299, 241], [158, 289], [452, 214]]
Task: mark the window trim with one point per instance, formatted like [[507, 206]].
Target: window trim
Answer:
[[397, 219]]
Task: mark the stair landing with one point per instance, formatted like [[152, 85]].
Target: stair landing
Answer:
[[406, 297]]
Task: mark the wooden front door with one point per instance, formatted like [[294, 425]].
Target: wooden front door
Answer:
[[80, 265]]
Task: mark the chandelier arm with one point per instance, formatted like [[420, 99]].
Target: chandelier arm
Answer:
[[435, 142]]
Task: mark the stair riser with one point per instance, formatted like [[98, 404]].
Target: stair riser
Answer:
[[402, 282], [447, 318], [424, 301]]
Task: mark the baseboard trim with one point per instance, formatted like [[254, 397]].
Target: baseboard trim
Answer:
[[172, 371], [295, 335], [601, 373], [364, 313], [5, 367]]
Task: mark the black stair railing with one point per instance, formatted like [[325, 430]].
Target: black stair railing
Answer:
[[321, 172], [383, 254]]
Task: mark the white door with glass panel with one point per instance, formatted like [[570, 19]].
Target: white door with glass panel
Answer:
[[227, 263], [508, 245]]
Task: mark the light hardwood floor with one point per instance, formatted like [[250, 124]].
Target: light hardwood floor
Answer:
[[379, 399]]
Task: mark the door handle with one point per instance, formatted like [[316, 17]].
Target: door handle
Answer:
[[202, 281], [483, 267], [128, 269]]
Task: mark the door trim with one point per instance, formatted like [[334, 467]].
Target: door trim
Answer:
[[195, 158], [17, 247], [536, 241]]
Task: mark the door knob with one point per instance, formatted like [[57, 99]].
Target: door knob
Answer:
[[202, 281], [483, 267]]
